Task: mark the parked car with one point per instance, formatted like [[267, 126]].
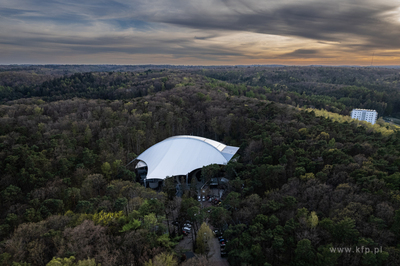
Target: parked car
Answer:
[[187, 229], [204, 198], [224, 254], [222, 241], [217, 233], [185, 232], [216, 202], [198, 198]]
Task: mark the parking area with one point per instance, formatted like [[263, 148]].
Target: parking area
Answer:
[[215, 253], [186, 244], [214, 256], [211, 197]]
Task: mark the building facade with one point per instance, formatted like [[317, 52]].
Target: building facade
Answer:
[[365, 115], [180, 156]]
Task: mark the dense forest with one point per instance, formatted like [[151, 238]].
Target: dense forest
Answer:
[[303, 183], [335, 89], [332, 88]]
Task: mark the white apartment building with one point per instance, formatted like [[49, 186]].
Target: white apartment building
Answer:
[[365, 115]]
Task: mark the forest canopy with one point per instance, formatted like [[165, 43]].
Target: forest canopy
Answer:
[[306, 179]]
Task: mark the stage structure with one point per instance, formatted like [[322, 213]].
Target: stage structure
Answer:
[[179, 156]]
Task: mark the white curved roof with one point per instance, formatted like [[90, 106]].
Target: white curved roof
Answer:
[[180, 155]]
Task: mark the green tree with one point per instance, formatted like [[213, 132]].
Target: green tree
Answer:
[[204, 234], [150, 221], [132, 225], [106, 169], [299, 171], [116, 167], [152, 206], [70, 262], [62, 261], [219, 216], [87, 262], [88, 157], [209, 171], [88, 134], [232, 200], [304, 253], [163, 259], [11, 194], [169, 187], [396, 224], [325, 256], [313, 219]]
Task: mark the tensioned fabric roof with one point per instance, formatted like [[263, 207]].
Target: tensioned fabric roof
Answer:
[[180, 155]]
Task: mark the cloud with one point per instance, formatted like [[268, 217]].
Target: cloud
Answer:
[[301, 53], [215, 30], [368, 23], [155, 44]]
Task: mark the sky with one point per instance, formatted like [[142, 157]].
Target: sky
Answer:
[[200, 32]]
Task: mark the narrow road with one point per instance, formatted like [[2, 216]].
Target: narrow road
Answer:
[[215, 254]]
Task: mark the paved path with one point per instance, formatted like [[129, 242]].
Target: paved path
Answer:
[[214, 255], [185, 244]]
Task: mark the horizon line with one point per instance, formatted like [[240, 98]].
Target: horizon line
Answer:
[[177, 65]]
